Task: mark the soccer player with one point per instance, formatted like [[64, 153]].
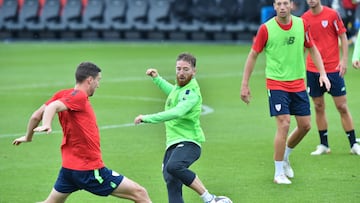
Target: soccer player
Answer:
[[326, 28], [183, 131], [283, 39], [82, 164]]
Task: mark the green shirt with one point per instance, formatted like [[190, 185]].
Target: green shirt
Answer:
[[181, 114], [285, 51], [356, 53]]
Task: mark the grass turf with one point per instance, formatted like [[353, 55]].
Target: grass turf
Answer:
[[236, 159]]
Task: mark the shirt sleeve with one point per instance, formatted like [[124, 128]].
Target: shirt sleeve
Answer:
[[308, 43], [356, 53], [339, 24], [187, 99], [164, 85], [260, 39]]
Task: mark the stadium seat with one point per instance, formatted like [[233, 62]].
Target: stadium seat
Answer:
[[71, 13], [50, 12], [137, 13], [29, 12], [181, 9], [159, 13], [214, 16], [114, 13], [93, 13], [50, 15], [9, 13]]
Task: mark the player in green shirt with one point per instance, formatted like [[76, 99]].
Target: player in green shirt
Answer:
[[183, 132]]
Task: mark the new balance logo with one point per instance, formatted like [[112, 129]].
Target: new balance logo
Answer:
[[289, 41]]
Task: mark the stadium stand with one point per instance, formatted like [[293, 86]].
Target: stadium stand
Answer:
[[9, 13], [130, 19], [158, 15], [92, 12], [50, 15], [114, 13]]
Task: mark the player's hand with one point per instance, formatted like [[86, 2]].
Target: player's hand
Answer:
[[342, 67], [245, 94], [138, 119], [20, 140], [152, 72], [324, 81], [43, 128], [356, 64]]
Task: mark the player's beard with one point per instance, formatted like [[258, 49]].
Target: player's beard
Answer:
[[183, 80]]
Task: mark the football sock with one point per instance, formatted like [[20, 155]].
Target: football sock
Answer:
[[351, 136], [207, 197], [288, 150], [279, 168], [323, 137]]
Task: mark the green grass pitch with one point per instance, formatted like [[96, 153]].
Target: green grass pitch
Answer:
[[237, 158]]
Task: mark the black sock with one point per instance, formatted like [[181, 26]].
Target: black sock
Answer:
[[323, 137], [351, 136]]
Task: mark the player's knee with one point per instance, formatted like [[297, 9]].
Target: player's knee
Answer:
[[141, 195], [174, 168], [342, 108], [306, 127]]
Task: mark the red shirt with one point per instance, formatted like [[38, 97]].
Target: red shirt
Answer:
[[260, 43], [80, 146], [325, 29]]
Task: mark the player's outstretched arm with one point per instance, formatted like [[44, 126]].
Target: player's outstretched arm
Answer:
[[32, 124], [49, 113]]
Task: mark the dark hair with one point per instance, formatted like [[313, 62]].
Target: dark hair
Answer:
[[86, 69], [188, 58]]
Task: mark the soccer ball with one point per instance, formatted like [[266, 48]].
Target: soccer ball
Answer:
[[222, 199]]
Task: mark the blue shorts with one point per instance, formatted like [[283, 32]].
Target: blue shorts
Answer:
[[292, 103], [314, 89], [100, 182]]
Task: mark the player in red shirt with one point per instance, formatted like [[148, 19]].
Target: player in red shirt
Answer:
[[82, 164], [326, 27]]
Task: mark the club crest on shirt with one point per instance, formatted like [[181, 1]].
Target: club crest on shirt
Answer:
[[278, 107], [324, 23]]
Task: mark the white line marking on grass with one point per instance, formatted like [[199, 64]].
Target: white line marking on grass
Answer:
[[205, 111], [116, 80]]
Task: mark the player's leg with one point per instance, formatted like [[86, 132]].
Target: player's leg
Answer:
[[131, 190], [317, 94], [56, 197], [303, 127], [342, 107], [283, 124], [173, 184], [320, 114], [338, 91], [176, 168], [279, 108], [347, 122]]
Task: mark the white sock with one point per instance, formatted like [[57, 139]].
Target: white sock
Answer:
[[279, 168], [288, 150], [206, 196]]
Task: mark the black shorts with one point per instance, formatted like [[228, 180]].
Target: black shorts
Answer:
[[314, 89], [100, 182], [292, 103]]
